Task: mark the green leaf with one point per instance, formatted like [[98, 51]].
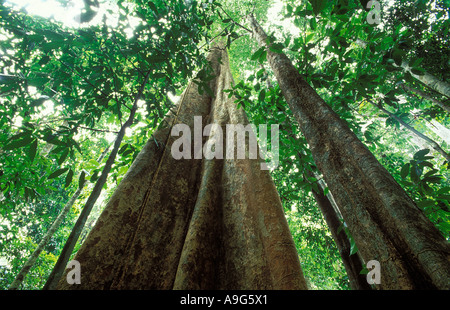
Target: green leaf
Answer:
[[63, 156], [263, 56], [353, 247], [57, 173], [258, 53], [425, 203], [153, 7], [420, 154], [444, 197], [19, 143], [313, 23], [433, 179], [397, 55], [418, 71], [405, 170], [69, 177], [277, 48], [262, 95], [126, 153], [340, 228], [443, 190], [33, 149], [364, 270], [208, 89], [82, 179], [123, 148], [414, 173]]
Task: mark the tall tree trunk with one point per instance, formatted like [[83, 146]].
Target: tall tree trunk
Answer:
[[66, 252], [385, 223], [192, 223], [429, 141], [442, 131]]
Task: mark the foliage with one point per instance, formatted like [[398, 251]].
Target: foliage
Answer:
[[64, 93]]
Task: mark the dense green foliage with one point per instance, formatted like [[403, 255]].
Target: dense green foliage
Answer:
[[64, 93]]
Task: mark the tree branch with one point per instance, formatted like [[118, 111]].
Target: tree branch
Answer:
[[98, 130], [431, 142]]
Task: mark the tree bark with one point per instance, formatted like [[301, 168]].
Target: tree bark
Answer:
[[192, 223], [385, 223]]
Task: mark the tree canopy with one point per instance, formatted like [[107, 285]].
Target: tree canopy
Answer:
[[67, 90]]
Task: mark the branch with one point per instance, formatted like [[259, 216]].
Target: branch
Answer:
[[243, 27], [431, 142], [84, 79], [424, 95], [98, 130]]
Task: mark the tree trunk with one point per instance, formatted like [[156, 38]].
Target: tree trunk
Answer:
[[385, 223], [442, 131], [66, 252], [192, 223]]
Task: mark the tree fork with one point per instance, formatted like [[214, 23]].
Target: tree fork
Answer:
[[383, 220]]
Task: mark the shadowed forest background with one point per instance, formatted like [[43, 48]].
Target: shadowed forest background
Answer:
[[76, 81]]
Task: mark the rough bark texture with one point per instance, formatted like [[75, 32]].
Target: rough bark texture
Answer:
[[385, 223], [192, 223]]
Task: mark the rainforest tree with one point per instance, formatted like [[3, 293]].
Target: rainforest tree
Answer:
[[350, 95]]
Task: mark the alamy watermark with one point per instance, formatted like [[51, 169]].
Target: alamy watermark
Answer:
[[374, 274], [374, 16], [74, 275], [235, 142]]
